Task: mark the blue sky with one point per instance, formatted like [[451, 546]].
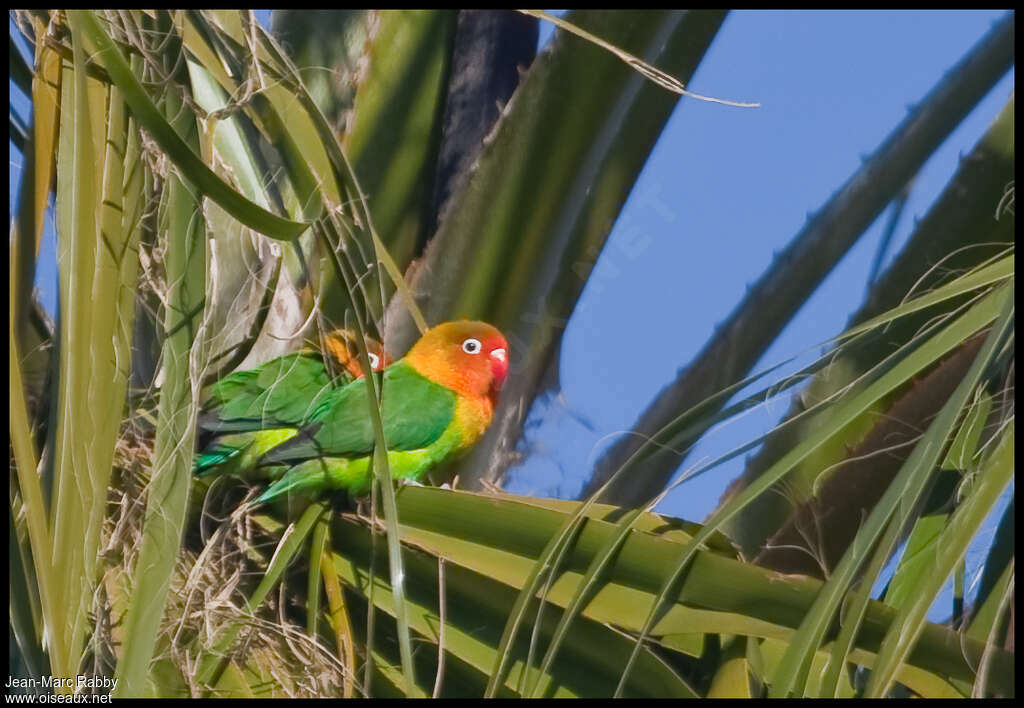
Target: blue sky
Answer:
[[723, 190]]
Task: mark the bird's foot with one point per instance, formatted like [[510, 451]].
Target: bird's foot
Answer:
[[414, 483]]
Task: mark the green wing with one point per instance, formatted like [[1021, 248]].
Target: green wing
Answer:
[[284, 391], [249, 412], [415, 412]]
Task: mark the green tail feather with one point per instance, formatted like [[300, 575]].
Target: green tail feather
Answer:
[[310, 477], [237, 453], [288, 483], [209, 462]]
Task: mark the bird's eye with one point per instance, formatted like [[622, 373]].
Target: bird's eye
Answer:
[[472, 346], [374, 361]]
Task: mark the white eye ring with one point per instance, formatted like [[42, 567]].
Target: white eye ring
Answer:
[[472, 346], [374, 360]]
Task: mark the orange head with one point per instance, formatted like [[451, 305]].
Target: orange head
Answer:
[[341, 344], [470, 358]]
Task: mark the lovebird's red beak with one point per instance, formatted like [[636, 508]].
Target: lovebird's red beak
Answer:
[[499, 366]]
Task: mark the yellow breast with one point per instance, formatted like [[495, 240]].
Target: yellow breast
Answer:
[[472, 416]]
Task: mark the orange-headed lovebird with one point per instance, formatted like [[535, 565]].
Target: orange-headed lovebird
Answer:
[[240, 408], [435, 403]]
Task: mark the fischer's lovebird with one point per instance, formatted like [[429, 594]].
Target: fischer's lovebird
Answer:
[[435, 403], [248, 412]]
